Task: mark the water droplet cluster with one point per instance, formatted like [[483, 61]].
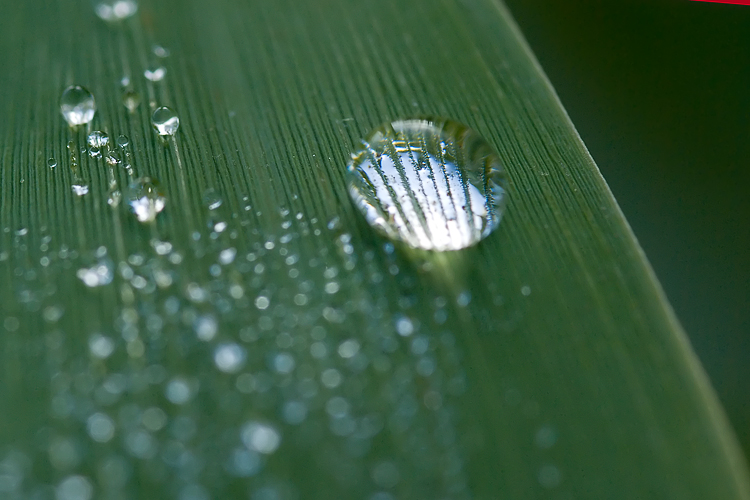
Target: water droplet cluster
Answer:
[[259, 351]]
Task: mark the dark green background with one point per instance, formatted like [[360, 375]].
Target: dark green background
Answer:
[[660, 93]]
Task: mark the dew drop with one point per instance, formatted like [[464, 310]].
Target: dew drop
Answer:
[[146, 199], [74, 488], [97, 139], [433, 184], [212, 199], [229, 358], [155, 74], [260, 437], [131, 100], [51, 163], [116, 10], [99, 274], [178, 391], [123, 141], [160, 51], [80, 188], [165, 121], [77, 105], [114, 196]]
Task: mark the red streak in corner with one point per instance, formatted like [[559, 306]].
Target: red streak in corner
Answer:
[[733, 2]]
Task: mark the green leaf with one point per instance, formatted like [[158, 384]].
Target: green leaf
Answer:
[[275, 346]]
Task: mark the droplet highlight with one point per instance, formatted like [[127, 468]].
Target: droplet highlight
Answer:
[[165, 121], [146, 198], [155, 74], [77, 105], [97, 139], [432, 183], [131, 100], [116, 10]]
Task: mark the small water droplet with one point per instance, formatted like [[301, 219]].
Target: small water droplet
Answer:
[[97, 139], [51, 163], [155, 74], [77, 105], [165, 121], [114, 196], [146, 199], [123, 141], [80, 188], [112, 159], [160, 51], [74, 488], [95, 152], [131, 100], [212, 199], [433, 184], [101, 273], [229, 358], [260, 437], [115, 10]]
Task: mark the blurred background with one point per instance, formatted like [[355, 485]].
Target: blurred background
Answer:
[[660, 93]]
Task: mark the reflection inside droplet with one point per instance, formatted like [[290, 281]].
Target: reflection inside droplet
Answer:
[[165, 121], [115, 10], [77, 105], [433, 184], [146, 198]]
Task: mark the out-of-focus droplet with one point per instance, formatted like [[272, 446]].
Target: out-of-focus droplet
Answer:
[[77, 105], [155, 74], [229, 358], [131, 100], [160, 51], [165, 121], [74, 488], [80, 188], [115, 10], [260, 437], [431, 183], [114, 196], [100, 274], [212, 199], [146, 199]]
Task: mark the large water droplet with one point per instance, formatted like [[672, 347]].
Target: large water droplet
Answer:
[[431, 183], [115, 10], [165, 121], [146, 199], [77, 105]]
